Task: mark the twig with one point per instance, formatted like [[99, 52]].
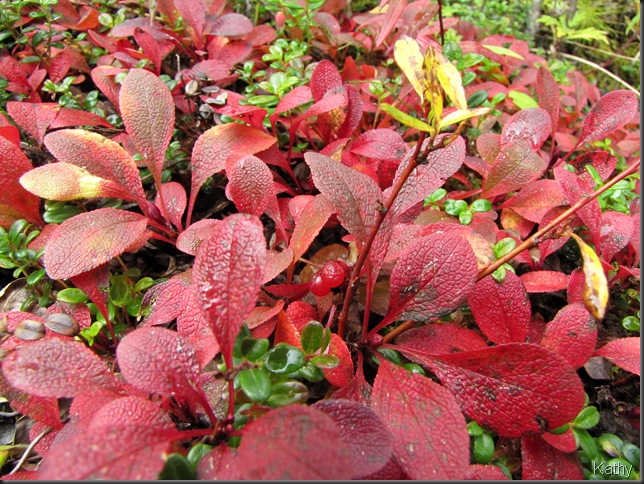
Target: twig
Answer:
[[29, 449], [601, 69]]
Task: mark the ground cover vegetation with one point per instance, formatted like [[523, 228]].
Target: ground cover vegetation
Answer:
[[317, 240]]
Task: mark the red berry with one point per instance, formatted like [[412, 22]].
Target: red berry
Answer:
[[334, 273], [319, 287]]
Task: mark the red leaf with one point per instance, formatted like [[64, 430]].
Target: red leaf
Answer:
[[611, 112], [297, 97], [67, 117], [90, 239], [501, 310], [380, 144], [227, 275], [193, 324], [368, 438], [531, 125], [343, 373], [617, 229], [189, 240], [194, 14], [56, 368], [572, 334], [355, 196], [34, 118], [623, 352], [325, 77], [479, 472], [276, 263], [541, 461], [426, 422], [514, 167], [95, 283], [271, 450], [603, 162], [544, 281], [513, 389], [41, 409], [432, 278], [100, 156], [534, 200], [15, 201], [353, 115], [175, 199], [316, 213], [436, 339], [250, 185], [548, 95], [169, 361], [231, 25], [103, 77], [148, 115], [488, 145], [219, 464], [328, 103], [395, 8], [135, 437], [564, 442], [219, 148]]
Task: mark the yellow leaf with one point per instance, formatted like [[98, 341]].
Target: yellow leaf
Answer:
[[451, 81], [64, 181], [410, 60], [431, 84], [461, 115], [406, 119], [595, 284], [503, 51]]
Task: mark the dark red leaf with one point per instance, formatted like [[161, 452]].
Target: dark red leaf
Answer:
[[380, 144], [95, 283], [514, 389], [515, 166], [479, 472], [369, 440], [550, 246], [56, 368], [602, 161], [219, 148], [227, 275], [432, 278], [613, 111], [100, 156], [355, 196], [250, 185], [623, 352], [353, 115], [15, 201], [426, 422], [544, 281], [534, 200], [231, 25], [531, 125], [90, 239], [325, 77], [330, 102], [436, 339], [617, 229], [147, 110], [541, 461], [488, 145], [548, 95], [572, 334], [219, 464], [272, 450]]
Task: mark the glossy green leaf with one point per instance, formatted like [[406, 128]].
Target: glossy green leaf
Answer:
[[177, 468], [284, 358], [587, 418], [287, 393], [71, 295], [256, 383], [312, 337], [326, 362], [483, 448]]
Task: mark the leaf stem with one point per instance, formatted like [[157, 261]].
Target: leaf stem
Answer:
[[398, 330], [535, 239]]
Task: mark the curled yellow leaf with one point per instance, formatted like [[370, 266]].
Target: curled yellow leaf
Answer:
[[595, 284]]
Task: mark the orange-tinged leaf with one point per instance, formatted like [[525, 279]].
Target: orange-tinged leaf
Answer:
[[90, 239], [595, 283], [147, 110], [314, 216], [394, 10]]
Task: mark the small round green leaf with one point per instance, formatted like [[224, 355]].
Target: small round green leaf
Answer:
[[611, 444], [483, 448], [177, 468], [284, 358], [256, 383], [288, 392], [197, 452], [587, 418], [481, 205], [474, 429], [631, 453], [253, 349], [326, 362], [312, 337], [414, 368], [311, 372], [72, 295]]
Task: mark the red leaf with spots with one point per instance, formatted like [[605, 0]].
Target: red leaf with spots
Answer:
[[427, 425], [617, 229], [15, 201], [90, 239], [250, 185], [544, 281], [541, 461], [432, 278], [548, 95], [100, 156], [147, 110], [531, 125], [436, 339], [271, 450], [189, 240], [355, 196], [515, 166], [534, 200], [623, 352], [514, 389], [56, 368], [175, 199], [501, 310], [572, 334], [369, 440], [315, 214], [324, 78], [219, 464], [219, 148], [479, 472], [227, 276], [611, 112], [564, 442], [380, 144]]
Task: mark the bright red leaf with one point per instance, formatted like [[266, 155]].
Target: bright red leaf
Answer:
[[90, 239], [548, 95], [380, 144], [250, 185], [515, 166], [341, 375], [41, 409], [427, 425], [572, 334], [623, 352], [273, 450], [324, 78], [175, 199], [541, 461], [436, 339], [195, 326], [315, 214], [534, 200], [613, 111], [544, 281], [531, 125], [15, 201], [617, 229]]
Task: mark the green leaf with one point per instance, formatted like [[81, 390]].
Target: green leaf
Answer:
[[584, 439], [177, 468], [477, 98], [632, 454], [611, 444], [483, 448], [326, 362], [120, 289], [522, 100], [35, 277], [312, 337], [256, 383], [497, 49], [284, 358], [504, 246], [197, 452], [406, 119], [311, 372], [414, 368], [587, 418], [481, 205], [287, 393], [474, 429], [143, 284], [72, 295], [253, 349]]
